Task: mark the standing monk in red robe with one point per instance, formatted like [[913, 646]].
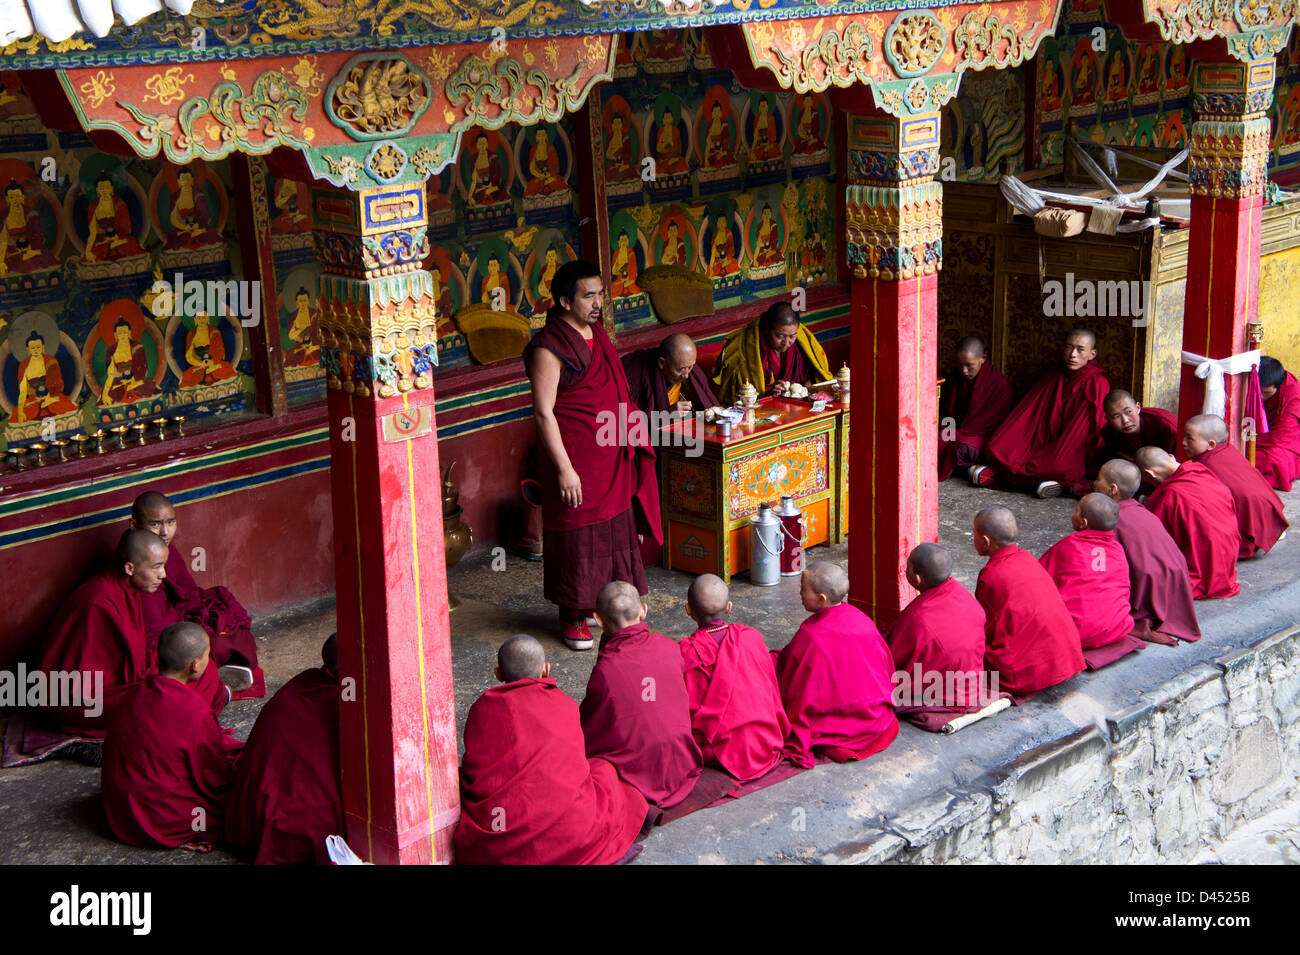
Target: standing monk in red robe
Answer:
[[1030, 637], [835, 676], [1160, 590], [529, 794], [974, 400], [737, 717], [1198, 512], [1128, 427], [167, 761], [285, 798], [1259, 510], [1045, 442], [1277, 454], [591, 531]]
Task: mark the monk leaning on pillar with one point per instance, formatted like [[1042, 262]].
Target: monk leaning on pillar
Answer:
[[1277, 452]]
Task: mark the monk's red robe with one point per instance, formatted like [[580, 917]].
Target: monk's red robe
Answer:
[[1277, 454], [977, 407], [1092, 574], [650, 391], [1259, 510], [835, 682], [214, 608], [1030, 637], [637, 715], [286, 798], [529, 793], [1050, 433], [1199, 514], [100, 629], [1160, 590], [1157, 428], [166, 758], [737, 716], [788, 365]]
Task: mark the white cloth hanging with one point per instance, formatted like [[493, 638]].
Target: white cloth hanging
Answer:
[[1212, 370]]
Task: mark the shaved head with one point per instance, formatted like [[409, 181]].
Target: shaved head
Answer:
[[1211, 427], [971, 345], [708, 597], [1125, 475], [1101, 513], [931, 563], [329, 651], [180, 645], [829, 579], [998, 524], [1114, 398], [137, 546], [618, 603], [678, 349], [148, 503], [1082, 333], [1154, 459], [520, 658]]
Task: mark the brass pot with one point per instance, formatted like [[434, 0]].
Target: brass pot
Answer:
[[456, 537], [450, 493]]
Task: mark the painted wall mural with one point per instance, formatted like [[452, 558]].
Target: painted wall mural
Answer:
[[985, 126]]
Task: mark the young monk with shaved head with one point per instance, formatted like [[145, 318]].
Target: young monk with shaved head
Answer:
[[835, 676], [529, 793], [1277, 451], [1128, 426], [1259, 509], [737, 716], [974, 400], [667, 378]]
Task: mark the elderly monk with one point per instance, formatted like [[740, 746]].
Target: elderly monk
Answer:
[[99, 631], [167, 761], [835, 676], [1160, 590], [974, 400], [1277, 453], [286, 797], [1030, 637], [1091, 572], [1199, 514], [1046, 440], [937, 644], [529, 793], [737, 716], [599, 498], [772, 352], [1259, 510], [213, 608], [1128, 427], [637, 713], [666, 379]]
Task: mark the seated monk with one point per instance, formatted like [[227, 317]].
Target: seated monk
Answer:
[[1091, 572], [835, 676], [974, 400], [1199, 514], [737, 716], [1277, 453], [213, 608], [1030, 637], [937, 644], [772, 352], [529, 793], [99, 631], [636, 713], [1046, 440], [1259, 509], [167, 761], [1160, 590], [285, 798], [1128, 427], [667, 379]]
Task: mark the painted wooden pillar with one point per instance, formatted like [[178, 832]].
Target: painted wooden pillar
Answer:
[[377, 320], [894, 222], [1230, 143]]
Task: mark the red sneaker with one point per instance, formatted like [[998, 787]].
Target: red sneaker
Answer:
[[577, 635]]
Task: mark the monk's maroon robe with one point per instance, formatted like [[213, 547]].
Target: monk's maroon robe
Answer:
[[977, 407], [835, 682], [788, 365], [636, 714], [1199, 514], [1160, 590], [529, 793], [650, 391], [1277, 453], [737, 716], [1048, 436], [286, 798], [1157, 428], [1259, 510], [167, 766], [213, 608], [1091, 572]]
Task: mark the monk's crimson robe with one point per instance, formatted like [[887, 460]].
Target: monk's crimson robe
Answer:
[[213, 608], [529, 793], [1091, 572], [1030, 637], [636, 715], [167, 766], [650, 391], [1048, 436], [835, 682], [1157, 428], [1199, 514], [1277, 454], [285, 798], [1259, 510], [737, 716], [742, 359], [1160, 590], [977, 407]]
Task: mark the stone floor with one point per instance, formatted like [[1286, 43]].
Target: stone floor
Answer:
[[50, 813]]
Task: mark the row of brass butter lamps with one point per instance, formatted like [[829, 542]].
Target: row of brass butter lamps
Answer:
[[104, 441]]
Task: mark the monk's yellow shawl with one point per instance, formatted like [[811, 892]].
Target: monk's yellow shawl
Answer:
[[741, 360]]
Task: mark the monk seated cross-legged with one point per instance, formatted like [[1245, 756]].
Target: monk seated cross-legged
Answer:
[[772, 352], [1128, 427], [1030, 637], [167, 761], [975, 399], [1091, 572], [835, 676], [667, 379], [1199, 514], [1160, 590], [529, 793], [1259, 509], [1277, 451]]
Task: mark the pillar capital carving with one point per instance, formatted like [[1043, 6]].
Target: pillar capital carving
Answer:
[[1230, 135]]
